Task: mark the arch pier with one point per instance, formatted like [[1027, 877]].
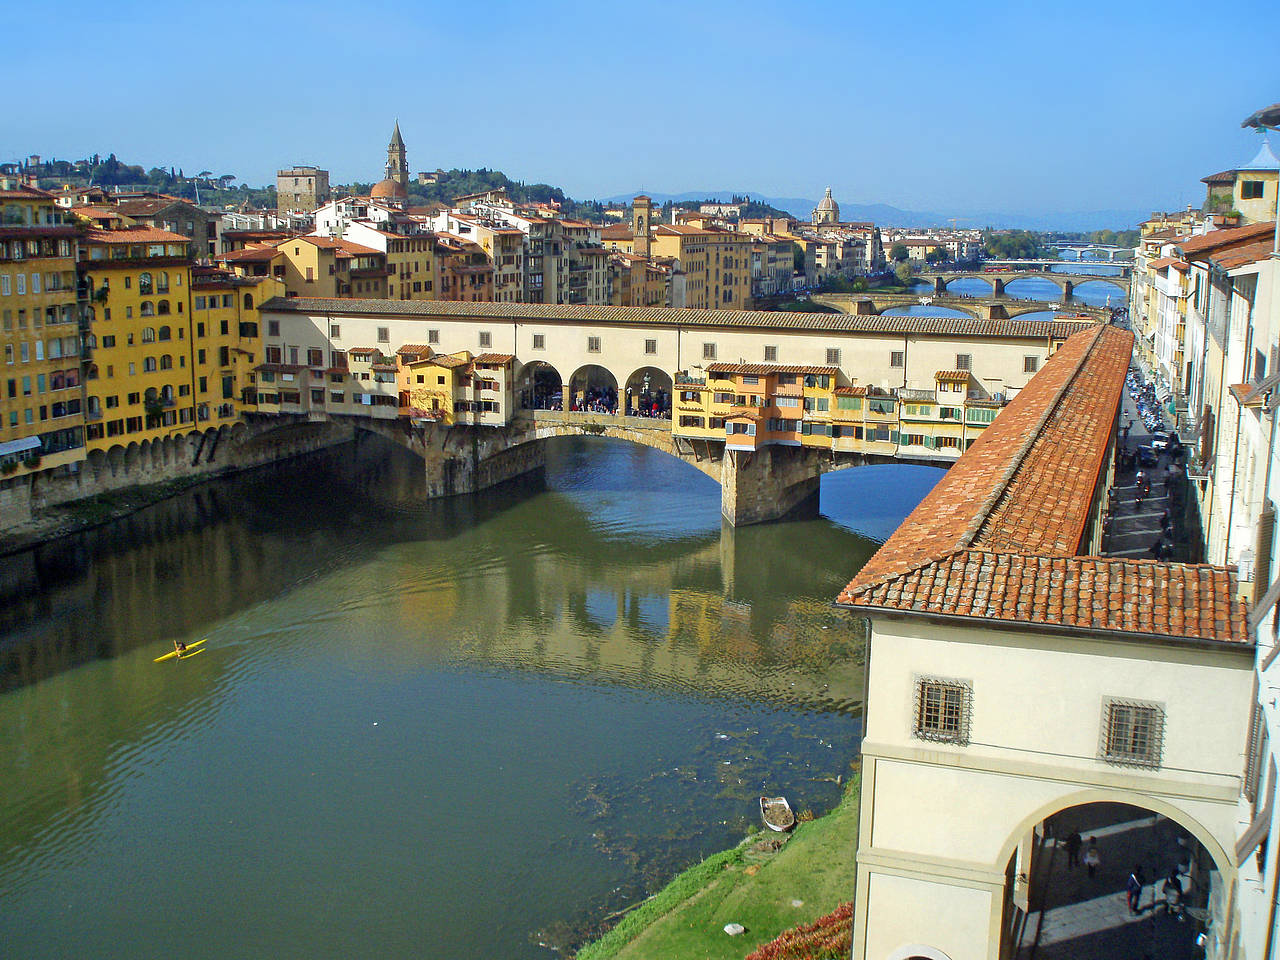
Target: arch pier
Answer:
[[756, 487]]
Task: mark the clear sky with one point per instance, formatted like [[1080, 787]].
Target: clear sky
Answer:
[[1006, 106]]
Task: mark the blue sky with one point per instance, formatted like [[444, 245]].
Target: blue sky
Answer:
[[997, 106]]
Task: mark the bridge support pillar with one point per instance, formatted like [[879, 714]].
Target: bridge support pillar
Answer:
[[997, 287], [939, 286], [1068, 288], [994, 311], [767, 484], [865, 307]]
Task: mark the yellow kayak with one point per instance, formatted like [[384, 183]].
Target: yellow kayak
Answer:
[[191, 651]]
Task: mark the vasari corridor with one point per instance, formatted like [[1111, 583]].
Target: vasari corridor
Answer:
[[808, 495]]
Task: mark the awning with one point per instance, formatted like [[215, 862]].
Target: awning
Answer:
[[20, 445]]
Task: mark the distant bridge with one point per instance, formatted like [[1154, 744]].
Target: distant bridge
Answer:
[[1066, 282], [869, 304]]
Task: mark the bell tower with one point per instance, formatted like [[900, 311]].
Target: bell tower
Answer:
[[641, 218], [397, 159]]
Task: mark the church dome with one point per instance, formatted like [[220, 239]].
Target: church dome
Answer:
[[388, 190], [827, 202]]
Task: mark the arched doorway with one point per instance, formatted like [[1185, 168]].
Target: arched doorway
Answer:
[[1068, 891], [594, 389], [648, 394], [539, 387]]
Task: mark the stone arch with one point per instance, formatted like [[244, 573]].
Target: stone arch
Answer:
[[131, 455], [645, 387], [1155, 804], [593, 384], [539, 385], [917, 951], [115, 458], [166, 451], [1117, 282], [97, 461], [989, 281]]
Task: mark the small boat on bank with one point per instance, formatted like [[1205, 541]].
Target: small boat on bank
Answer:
[[191, 651], [776, 813]]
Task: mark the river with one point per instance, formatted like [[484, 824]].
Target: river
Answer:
[[1093, 293], [465, 729]]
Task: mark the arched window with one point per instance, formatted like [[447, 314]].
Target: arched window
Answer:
[[144, 283], [148, 333], [248, 301], [166, 362], [166, 393], [163, 333], [149, 365], [148, 309], [162, 307], [162, 283]]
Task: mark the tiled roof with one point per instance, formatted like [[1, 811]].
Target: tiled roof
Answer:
[[680, 316], [1246, 254], [764, 369], [1168, 262], [998, 537], [494, 359], [250, 254], [421, 349], [952, 376], [1226, 176], [1219, 239], [854, 391], [133, 235]]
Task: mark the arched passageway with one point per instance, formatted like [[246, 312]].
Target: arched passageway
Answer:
[[539, 387], [594, 388], [1110, 881], [648, 394]]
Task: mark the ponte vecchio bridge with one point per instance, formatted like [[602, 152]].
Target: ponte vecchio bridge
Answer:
[[905, 380]]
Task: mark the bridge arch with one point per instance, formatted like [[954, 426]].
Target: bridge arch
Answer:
[[648, 388], [539, 386], [593, 386], [1116, 282]]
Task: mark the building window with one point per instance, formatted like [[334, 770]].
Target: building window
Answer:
[[651, 347], [942, 709], [593, 344], [335, 331], [708, 351], [273, 328], [384, 334], [833, 357], [539, 341], [771, 356], [486, 339], [433, 336], [897, 358], [1250, 189], [964, 361], [1030, 364], [1132, 733]]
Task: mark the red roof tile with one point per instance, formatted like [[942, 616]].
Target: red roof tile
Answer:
[[1220, 239]]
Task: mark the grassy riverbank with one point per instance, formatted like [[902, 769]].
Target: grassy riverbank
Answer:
[[745, 885]]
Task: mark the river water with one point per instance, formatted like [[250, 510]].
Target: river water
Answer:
[[466, 729], [1093, 293]]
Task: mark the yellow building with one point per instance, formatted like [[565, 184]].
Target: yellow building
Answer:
[[413, 267], [227, 340], [689, 246], [142, 375], [1249, 190], [41, 406]]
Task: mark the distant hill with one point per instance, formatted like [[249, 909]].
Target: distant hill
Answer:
[[886, 215]]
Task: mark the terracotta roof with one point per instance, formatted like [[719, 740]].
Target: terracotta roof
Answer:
[[494, 359], [362, 350], [687, 317], [952, 376], [1219, 239], [853, 391], [421, 349], [1168, 262], [997, 537], [249, 253], [764, 369], [1243, 255], [1226, 176], [133, 235]]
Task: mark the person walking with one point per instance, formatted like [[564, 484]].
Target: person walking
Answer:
[[1091, 859], [1073, 850], [1133, 886], [1171, 889]]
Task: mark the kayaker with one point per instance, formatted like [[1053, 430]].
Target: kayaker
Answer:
[[179, 646]]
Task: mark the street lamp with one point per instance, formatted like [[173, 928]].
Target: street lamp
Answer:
[[1268, 118]]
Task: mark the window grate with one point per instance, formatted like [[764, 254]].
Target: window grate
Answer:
[[942, 710], [1132, 733]]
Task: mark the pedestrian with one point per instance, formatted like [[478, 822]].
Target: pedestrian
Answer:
[[1172, 891], [1091, 859], [1073, 850], [1133, 886]]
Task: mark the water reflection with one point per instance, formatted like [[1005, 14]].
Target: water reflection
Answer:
[[566, 688]]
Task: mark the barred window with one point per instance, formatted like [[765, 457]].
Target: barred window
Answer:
[[651, 346], [539, 341], [964, 361], [593, 344], [770, 354], [486, 339], [1132, 732], [708, 351], [897, 358], [433, 336], [384, 334], [942, 709], [1030, 364], [833, 357]]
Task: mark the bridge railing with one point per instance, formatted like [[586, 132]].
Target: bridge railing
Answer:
[[584, 418]]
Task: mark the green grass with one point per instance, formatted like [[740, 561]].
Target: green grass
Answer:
[[686, 918]]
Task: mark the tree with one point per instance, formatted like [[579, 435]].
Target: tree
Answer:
[[898, 253], [224, 181], [903, 273]]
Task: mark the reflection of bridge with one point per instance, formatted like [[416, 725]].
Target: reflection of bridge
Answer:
[[998, 279], [874, 303]]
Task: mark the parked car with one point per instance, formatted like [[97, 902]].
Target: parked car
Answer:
[[1147, 457], [1159, 441]]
